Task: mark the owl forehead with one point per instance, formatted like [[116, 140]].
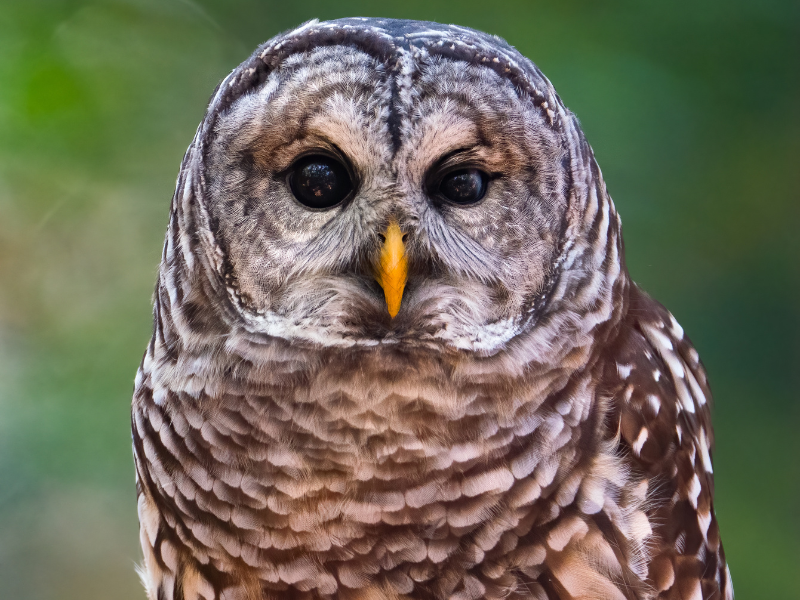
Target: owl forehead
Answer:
[[329, 97], [401, 121], [346, 98]]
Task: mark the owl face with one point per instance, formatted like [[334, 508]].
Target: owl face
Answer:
[[307, 171]]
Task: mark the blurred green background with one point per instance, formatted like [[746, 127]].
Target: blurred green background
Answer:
[[692, 110]]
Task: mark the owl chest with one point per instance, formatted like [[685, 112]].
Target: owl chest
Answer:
[[327, 493]]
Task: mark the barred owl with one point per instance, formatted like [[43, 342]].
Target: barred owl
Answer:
[[397, 353]]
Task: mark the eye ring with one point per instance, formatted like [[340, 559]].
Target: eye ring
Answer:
[[319, 182], [463, 187]]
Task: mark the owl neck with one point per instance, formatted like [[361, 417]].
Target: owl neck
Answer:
[[387, 418]]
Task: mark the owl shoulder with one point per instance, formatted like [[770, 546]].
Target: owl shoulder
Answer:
[[660, 415], [661, 398]]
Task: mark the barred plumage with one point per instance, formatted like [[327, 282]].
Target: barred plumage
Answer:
[[529, 425]]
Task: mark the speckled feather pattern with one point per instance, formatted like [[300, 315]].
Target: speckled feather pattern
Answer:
[[531, 425]]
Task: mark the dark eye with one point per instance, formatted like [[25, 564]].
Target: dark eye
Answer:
[[466, 186], [319, 182]]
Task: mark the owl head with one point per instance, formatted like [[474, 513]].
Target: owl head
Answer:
[[370, 182]]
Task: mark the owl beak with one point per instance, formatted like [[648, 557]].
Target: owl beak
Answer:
[[392, 271]]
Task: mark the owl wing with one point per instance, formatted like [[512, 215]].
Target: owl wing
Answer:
[[662, 411]]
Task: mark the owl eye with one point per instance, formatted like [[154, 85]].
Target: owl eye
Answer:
[[319, 182], [465, 186]]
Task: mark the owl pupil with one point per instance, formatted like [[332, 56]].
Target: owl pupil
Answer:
[[464, 187], [319, 182]]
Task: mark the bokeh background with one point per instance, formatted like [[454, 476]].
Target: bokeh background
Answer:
[[692, 108]]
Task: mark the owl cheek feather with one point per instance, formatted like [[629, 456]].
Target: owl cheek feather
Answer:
[[392, 270]]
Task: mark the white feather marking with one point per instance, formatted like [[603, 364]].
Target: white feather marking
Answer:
[[705, 456], [159, 395], [486, 337], [465, 452], [677, 330], [694, 490], [602, 238], [640, 527], [624, 371], [654, 402], [146, 580], [698, 394], [640, 440], [656, 337], [674, 363], [564, 406], [684, 396], [704, 520]]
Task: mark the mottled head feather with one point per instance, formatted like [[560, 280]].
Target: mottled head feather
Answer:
[[396, 97]]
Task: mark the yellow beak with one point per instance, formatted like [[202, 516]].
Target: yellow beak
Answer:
[[393, 269]]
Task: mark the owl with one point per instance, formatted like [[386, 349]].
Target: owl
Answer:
[[397, 353]]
